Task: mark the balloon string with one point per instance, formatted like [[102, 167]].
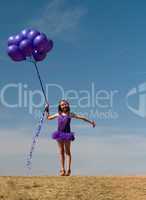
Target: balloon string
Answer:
[[35, 138], [39, 77], [38, 130], [40, 82]]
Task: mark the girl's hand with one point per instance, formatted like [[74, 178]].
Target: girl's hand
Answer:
[[93, 124], [47, 108]]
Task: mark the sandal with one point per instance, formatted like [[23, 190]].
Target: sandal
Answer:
[[62, 172], [68, 173]]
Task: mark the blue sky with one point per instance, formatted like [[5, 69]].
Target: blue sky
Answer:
[[100, 43]]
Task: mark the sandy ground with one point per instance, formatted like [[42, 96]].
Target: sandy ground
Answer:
[[73, 188]]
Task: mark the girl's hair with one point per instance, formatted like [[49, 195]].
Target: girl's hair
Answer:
[[59, 106]]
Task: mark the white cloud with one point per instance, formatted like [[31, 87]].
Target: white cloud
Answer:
[[58, 17]]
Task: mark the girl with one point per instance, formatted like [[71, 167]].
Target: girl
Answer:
[[63, 135]]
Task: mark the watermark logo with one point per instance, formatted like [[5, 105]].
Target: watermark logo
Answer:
[[93, 102], [138, 95]]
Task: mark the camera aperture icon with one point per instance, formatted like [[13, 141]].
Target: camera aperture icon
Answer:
[[138, 95]]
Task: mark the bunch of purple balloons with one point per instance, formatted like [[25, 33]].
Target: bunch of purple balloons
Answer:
[[29, 43]]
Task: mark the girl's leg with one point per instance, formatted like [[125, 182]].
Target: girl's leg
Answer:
[[62, 157], [68, 156]]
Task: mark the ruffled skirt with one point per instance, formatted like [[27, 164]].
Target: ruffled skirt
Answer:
[[59, 135]]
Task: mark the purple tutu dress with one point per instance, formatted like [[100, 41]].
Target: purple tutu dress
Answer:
[[64, 132]]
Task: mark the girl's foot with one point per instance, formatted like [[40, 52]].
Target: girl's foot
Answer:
[[68, 172], [62, 172]]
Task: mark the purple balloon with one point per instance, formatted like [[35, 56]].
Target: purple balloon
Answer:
[[32, 34], [39, 42], [48, 45], [39, 56], [15, 53], [25, 32], [18, 39], [43, 34], [26, 47], [11, 40]]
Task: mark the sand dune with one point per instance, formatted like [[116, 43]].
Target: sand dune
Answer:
[[73, 188]]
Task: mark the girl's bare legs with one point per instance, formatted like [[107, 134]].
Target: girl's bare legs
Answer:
[[68, 156], [62, 157]]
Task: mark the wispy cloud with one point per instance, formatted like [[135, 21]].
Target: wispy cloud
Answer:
[[58, 17]]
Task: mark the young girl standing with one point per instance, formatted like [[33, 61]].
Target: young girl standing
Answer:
[[63, 135]]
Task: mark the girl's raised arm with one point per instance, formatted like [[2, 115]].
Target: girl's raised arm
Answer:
[[50, 117], [77, 116]]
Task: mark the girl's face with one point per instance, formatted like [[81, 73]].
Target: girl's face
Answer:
[[64, 106]]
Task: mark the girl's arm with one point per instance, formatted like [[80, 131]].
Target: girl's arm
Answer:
[[77, 116], [50, 117]]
